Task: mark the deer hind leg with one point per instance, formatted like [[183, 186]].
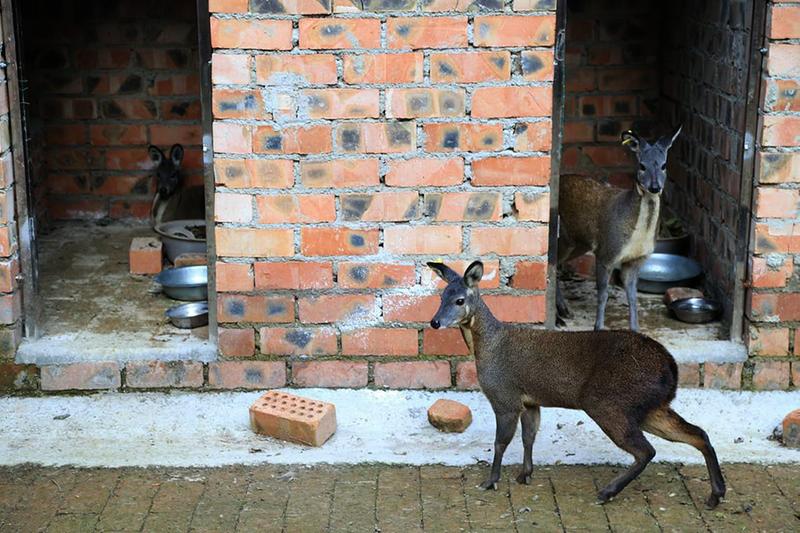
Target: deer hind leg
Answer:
[[603, 277], [530, 426], [625, 433], [669, 425]]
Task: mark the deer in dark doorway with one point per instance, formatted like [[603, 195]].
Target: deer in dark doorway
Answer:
[[623, 380], [618, 226], [173, 201]]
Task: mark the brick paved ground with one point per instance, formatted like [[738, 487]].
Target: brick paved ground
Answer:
[[387, 498]]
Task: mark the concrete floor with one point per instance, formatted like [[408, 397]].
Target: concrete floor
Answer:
[[95, 310], [688, 343]]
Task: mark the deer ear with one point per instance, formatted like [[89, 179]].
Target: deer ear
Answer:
[[631, 140], [444, 272], [667, 140], [473, 274], [176, 154], [155, 153]]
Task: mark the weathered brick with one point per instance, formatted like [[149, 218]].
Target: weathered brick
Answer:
[[239, 103], [252, 242], [376, 137], [246, 374], [145, 255], [380, 341], [294, 69], [380, 206], [470, 67], [771, 375], [785, 23], [157, 374], [342, 173], [412, 375], [449, 416], [513, 30], [424, 103], [338, 241], [537, 65], [511, 171], [256, 173], [776, 203], [421, 172], [422, 239], [532, 206], [292, 139], [237, 342], [321, 33], [297, 275], [296, 209], [509, 241], [768, 341], [291, 7], [791, 428], [232, 138], [443, 342], [765, 275], [330, 374], [467, 376], [298, 341], [383, 68], [357, 275], [426, 32], [409, 308], [722, 376], [233, 207], [80, 376], [533, 136], [779, 167], [510, 102], [467, 206], [293, 418], [689, 375], [444, 137], [252, 33], [191, 259], [340, 103], [15, 377], [230, 69], [254, 308], [337, 308], [512, 308], [233, 277], [530, 275]]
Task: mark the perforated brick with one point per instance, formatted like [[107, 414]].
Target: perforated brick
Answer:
[[293, 418]]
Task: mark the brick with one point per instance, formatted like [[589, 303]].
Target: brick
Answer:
[[230, 69], [512, 30], [680, 293], [239, 103], [533, 136], [771, 375], [412, 375], [296, 275], [340, 103], [510, 102], [467, 376], [330, 374], [10, 309], [796, 372], [252, 33], [470, 67], [237, 342], [782, 95], [449, 416], [776, 236], [781, 130], [254, 173], [252, 242], [80, 376], [380, 206], [511, 171], [298, 341], [108, 134], [191, 259], [490, 280], [776, 203], [537, 65], [530, 275], [448, 342], [511, 308], [145, 255], [246, 374], [338, 241], [292, 139], [421, 172], [764, 307], [791, 429], [340, 173], [785, 22], [466, 206], [722, 376], [764, 275], [358, 275], [294, 69], [233, 207], [509, 241], [321, 33], [14, 377], [296, 209], [409, 308], [782, 60], [768, 341], [293, 418], [233, 277], [376, 137], [291, 7], [159, 374], [422, 239], [383, 68], [444, 137], [426, 32], [254, 308], [532, 206], [9, 270], [424, 103], [232, 138], [338, 308], [227, 6], [779, 167], [380, 341]]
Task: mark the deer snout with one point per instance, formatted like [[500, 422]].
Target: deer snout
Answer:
[[655, 189], [435, 324]]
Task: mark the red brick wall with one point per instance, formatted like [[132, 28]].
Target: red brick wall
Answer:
[[774, 300], [351, 148], [106, 79]]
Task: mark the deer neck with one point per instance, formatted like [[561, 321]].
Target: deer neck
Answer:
[[645, 210], [479, 328]]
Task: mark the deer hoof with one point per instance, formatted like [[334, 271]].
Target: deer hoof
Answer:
[[604, 497], [524, 479], [488, 485], [560, 322], [712, 501]]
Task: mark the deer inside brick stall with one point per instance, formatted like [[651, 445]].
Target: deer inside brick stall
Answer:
[[174, 201], [623, 380], [618, 226]]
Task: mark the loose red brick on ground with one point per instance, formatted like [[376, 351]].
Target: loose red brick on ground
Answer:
[[791, 429], [449, 416], [288, 417], [145, 255]]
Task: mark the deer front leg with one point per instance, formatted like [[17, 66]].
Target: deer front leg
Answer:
[[506, 427], [630, 278], [603, 275]]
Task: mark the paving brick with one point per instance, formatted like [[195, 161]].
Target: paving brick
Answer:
[[158, 374], [80, 376], [246, 374], [288, 417], [145, 255]]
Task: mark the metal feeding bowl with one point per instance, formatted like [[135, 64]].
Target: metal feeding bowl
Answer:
[[189, 283], [187, 316], [182, 237], [662, 271], [695, 310]]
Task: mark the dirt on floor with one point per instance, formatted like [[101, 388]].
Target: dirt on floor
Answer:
[[391, 498]]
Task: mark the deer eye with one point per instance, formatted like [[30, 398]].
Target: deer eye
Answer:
[[642, 167], [664, 166], [460, 301]]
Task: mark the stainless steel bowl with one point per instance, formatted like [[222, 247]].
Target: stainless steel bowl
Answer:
[[187, 316], [662, 271], [696, 310], [178, 239], [188, 283]]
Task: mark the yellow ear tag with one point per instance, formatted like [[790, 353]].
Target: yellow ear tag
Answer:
[[626, 142]]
